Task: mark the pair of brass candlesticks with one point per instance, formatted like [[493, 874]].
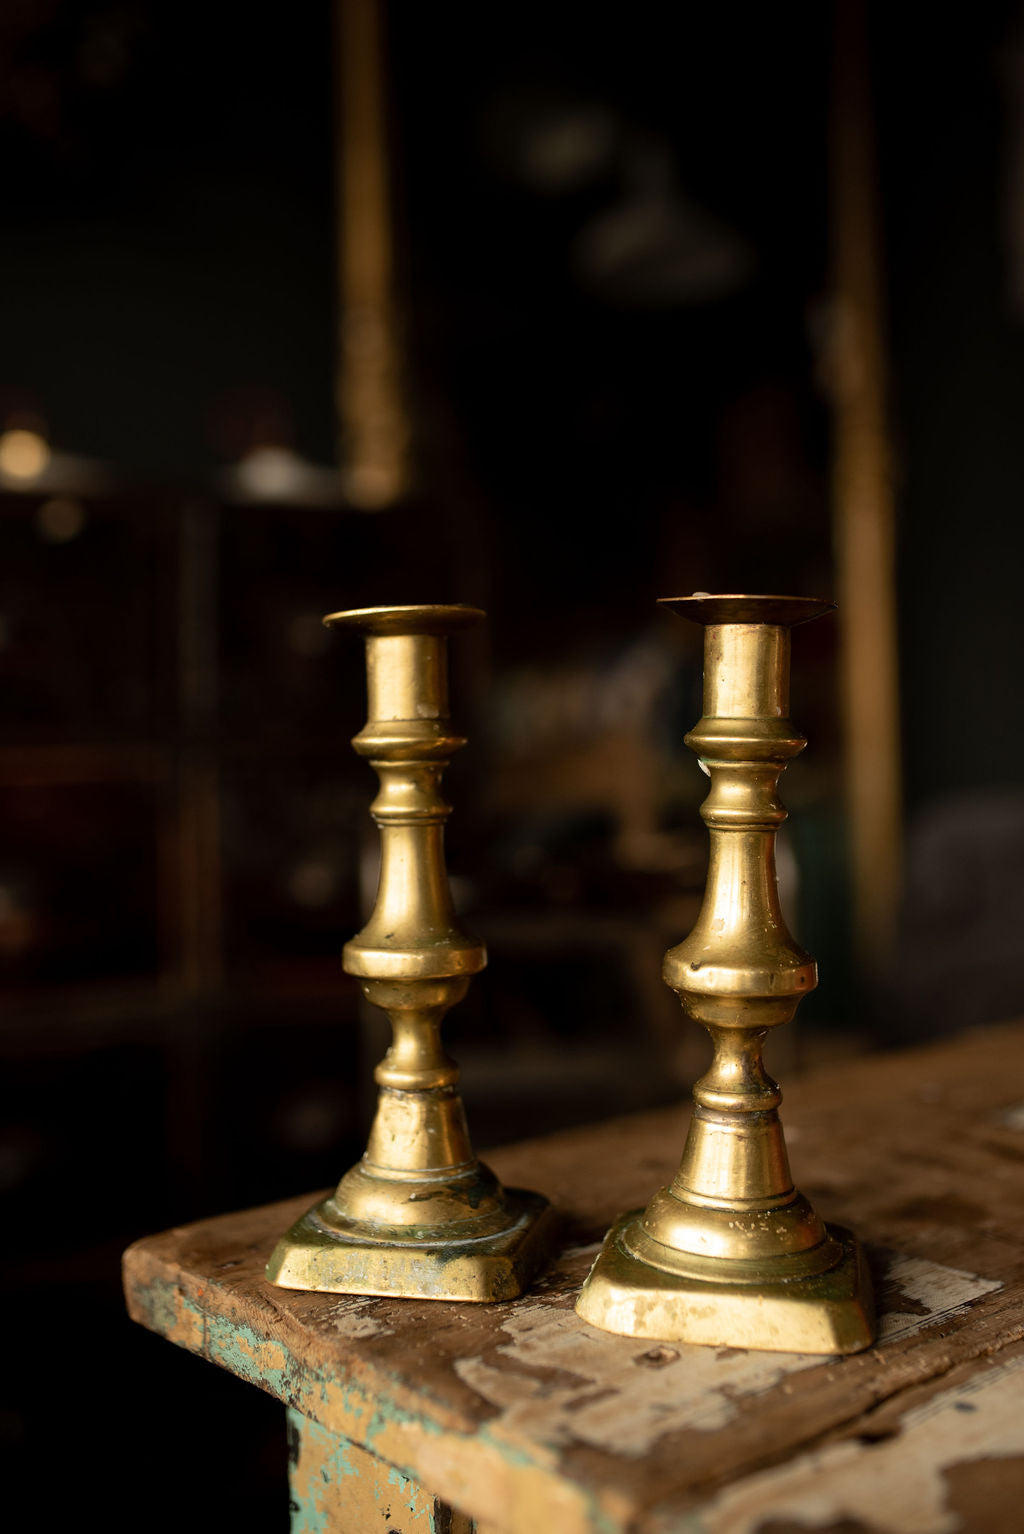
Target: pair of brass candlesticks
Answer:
[[730, 1253]]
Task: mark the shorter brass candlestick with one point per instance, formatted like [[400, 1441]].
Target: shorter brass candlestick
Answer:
[[419, 1215], [731, 1254]]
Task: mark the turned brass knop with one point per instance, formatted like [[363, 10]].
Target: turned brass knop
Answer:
[[419, 1215], [730, 1253]]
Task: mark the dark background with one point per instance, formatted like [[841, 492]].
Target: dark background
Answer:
[[612, 235]]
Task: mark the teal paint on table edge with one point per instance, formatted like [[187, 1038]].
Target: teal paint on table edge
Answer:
[[331, 1450], [307, 1514], [329, 1444], [225, 1342]]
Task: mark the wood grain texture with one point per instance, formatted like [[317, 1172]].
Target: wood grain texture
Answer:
[[522, 1415]]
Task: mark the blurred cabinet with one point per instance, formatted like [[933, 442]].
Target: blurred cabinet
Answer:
[[179, 845]]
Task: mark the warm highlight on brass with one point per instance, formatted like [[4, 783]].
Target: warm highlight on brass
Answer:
[[730, 1254], [419, 1215]]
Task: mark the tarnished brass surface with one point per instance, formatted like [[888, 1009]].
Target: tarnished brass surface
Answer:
[[419, 1215], [730, 1253]]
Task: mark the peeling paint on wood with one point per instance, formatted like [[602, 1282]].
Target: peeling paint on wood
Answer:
[[1011, 1117], [898, 1486], [567, 1382], [352, 1318], [936, 1292]]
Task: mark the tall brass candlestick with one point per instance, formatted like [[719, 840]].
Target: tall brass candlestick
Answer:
[[419, 1215], [730, 1253]]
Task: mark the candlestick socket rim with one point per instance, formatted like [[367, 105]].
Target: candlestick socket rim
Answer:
[[437, 619], [731, 607]]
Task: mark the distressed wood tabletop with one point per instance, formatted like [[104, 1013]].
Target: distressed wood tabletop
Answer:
[[526, 1418]]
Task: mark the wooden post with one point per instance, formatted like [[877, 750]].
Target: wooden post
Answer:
[[863, 503], [373, 427]]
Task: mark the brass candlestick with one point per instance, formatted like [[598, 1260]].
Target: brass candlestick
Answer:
[[419, 1215], [731, 1254]]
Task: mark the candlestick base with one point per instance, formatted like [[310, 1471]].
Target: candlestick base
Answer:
[[453, 1261], [818, 1301]]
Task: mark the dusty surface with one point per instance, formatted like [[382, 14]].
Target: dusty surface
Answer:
[[523, 1415]]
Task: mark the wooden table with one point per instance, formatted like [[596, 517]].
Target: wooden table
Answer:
[[520, 1419]]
